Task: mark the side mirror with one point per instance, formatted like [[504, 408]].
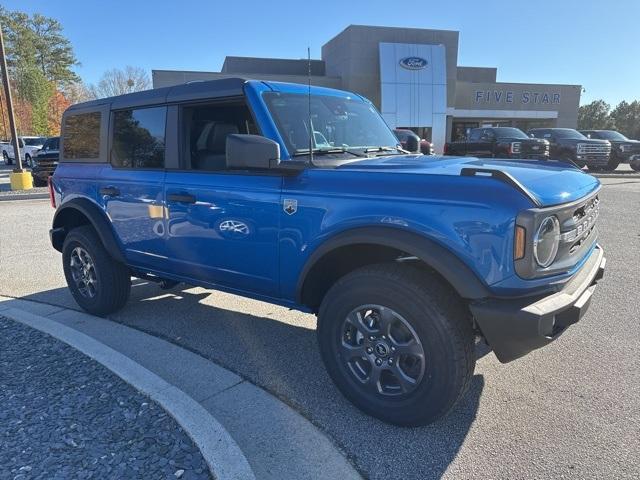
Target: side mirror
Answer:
[[251, 151], [413, 144]]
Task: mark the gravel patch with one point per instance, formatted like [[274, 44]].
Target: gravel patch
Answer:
[[65, 416]]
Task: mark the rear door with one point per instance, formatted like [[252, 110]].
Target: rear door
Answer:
[[222, 225], [131, 185]]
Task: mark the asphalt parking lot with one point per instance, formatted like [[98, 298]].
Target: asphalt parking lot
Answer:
[[571, 410]]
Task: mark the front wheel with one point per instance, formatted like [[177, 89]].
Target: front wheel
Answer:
[[397, 343], [28, 160], [635, 165], [98, 283], [5, 157]]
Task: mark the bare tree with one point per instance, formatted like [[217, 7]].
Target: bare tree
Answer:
[[120, 81], [77, 92]]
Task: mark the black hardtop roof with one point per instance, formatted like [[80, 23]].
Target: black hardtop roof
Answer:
[[224, 87]]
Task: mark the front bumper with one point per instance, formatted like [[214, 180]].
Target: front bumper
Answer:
[[514, 327]]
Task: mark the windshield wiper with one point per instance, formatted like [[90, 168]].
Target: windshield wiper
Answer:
[[329, 151], [385, 149]]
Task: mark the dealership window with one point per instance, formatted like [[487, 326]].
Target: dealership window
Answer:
[[205, 129], [81, 138], [138, 138]]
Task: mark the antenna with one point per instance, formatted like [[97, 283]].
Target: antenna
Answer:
[[311, 133]]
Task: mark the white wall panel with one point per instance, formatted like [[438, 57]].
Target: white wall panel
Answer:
[[414, 98]]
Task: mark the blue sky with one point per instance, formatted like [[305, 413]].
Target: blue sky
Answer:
[[592, 43]]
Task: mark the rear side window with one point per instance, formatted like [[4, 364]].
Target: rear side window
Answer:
[[82, 136], [139, 138]]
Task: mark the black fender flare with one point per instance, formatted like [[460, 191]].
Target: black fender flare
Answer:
[[442, 260], [97, 219]]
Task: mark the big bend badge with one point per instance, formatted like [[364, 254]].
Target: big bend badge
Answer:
[[290, 206]]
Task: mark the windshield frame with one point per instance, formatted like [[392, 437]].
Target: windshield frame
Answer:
[[346, 151]]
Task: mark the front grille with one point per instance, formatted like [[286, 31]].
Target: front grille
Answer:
[[578, 233], [581, 225], [594, 149]]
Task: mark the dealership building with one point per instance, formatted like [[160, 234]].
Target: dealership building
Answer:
[[413, 77]]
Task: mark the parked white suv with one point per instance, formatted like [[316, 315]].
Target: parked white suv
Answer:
[[28, 147]]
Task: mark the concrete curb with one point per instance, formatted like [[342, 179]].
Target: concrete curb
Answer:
[[630, 176], [266, 438], [222, 454], [24, 196]]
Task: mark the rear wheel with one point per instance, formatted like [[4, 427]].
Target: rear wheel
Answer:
[[98, 283], [28, 160], [397, 343], [5, 157]]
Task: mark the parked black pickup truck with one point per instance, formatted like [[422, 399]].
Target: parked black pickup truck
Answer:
[[570, 145], [45, 161], [499, 142], [623, 149]]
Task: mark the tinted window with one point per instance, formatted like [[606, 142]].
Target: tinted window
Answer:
[[509, 132], [475, 134], [52, 144], [34, 142], [609, 135], [206, 128], [540, 133], [138, 138], [82, 136], [568, 133]]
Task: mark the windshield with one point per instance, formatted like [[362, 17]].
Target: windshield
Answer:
[[337, 123], [509, 132], [568, 133], [33, 142], [609, 135]]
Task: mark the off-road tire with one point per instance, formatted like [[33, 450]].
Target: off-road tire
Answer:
[[113, 278], [439, 318]]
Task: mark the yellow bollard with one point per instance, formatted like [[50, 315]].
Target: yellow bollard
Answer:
[[21, 180]]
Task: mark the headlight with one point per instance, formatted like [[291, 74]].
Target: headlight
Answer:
[[625, 148], [546, 241]]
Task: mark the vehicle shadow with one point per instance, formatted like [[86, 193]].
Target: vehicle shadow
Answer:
[[277, 350]]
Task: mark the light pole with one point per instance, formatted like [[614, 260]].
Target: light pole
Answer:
[[20, 178]]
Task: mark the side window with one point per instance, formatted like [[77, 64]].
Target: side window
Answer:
[[138, 138], [82, 136], [205, 129]]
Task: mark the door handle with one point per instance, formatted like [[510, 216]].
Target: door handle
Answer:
[[109, 191], [181, 198]]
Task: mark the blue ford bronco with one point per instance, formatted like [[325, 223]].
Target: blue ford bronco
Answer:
[[303, 197]]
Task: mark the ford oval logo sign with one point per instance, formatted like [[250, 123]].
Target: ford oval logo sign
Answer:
[[413, 63]]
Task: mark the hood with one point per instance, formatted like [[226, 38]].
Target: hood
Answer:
[[550, 182]]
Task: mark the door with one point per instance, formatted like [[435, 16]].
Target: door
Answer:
[[131, 187], [222, 225]]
